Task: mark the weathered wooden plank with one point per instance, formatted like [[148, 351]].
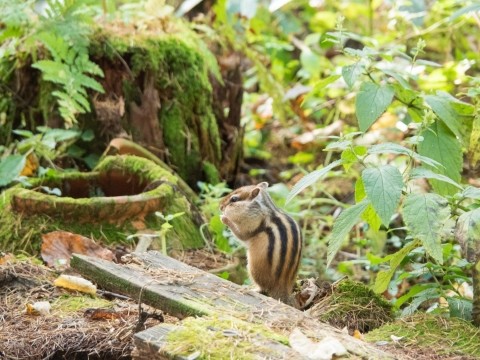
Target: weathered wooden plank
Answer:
[[182, 290], [209, 337], [148, 345]]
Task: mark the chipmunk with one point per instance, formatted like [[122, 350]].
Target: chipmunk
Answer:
[[273, 239]]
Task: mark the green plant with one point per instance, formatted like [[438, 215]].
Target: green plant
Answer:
[[211, 196], [383, 188], [69, 68], [384, 81], [26, 157], [62, 27], [166, 227]]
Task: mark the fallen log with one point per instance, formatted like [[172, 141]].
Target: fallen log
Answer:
[[182, 290]]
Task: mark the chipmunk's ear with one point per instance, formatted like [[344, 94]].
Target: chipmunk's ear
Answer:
[[263, 185], [256, 190]]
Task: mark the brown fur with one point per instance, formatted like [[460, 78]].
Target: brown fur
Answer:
[[253, 218]]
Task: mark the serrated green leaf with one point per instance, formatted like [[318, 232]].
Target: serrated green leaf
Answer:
[[81, 100], [474, 145], [90, 83], [460, 308], [371, 102], [408, 97], [429, 174], [392, 148], [383, 186], [348, 158], [425, 216], [440, 144], [384, 276], [445, 112], [471, 193], [342, 226], [369, 215], [10, 168], [351, 73], [310, 179], [401, 80]]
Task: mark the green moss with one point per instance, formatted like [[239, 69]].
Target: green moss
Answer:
[[354, 305], [20, 233], [215, 337], [84, 216], [179, 67], [66, 304], [211, 173], [433, 334]]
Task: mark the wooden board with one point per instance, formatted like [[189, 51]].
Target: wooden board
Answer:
[[182, 290], [212, 337]]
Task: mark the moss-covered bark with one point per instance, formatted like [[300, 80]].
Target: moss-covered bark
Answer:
[[157, 90], [121, 207], [169, 70]]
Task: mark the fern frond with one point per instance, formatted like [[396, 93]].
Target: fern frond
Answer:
[[90, 83]]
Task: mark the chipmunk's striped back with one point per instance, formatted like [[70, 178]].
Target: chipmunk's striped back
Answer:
[[273, 238]]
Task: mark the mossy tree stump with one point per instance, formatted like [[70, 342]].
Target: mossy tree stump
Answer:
[[157, 92], [115, 200]]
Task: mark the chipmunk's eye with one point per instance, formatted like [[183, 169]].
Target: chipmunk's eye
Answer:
[[234, 198]]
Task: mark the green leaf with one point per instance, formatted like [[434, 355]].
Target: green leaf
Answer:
[[60, 134], [369, 215], [413, 290], [383, 186], [338, 145], [385, 276], [442, 108], [88, 135], [348, 158], [460, 308], [392, 148], [429, 174], [323, 83], [371, 102], [342, 226], [310, 61], [89, 83], [456, 114], [474, 145], [440, 144], [467, 233], [310, 179], [217, 227], [427, 294], [425, 215], [351, 73], [464, 10], [471, 192], [408, 96], [402, 83], [10, 168]]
